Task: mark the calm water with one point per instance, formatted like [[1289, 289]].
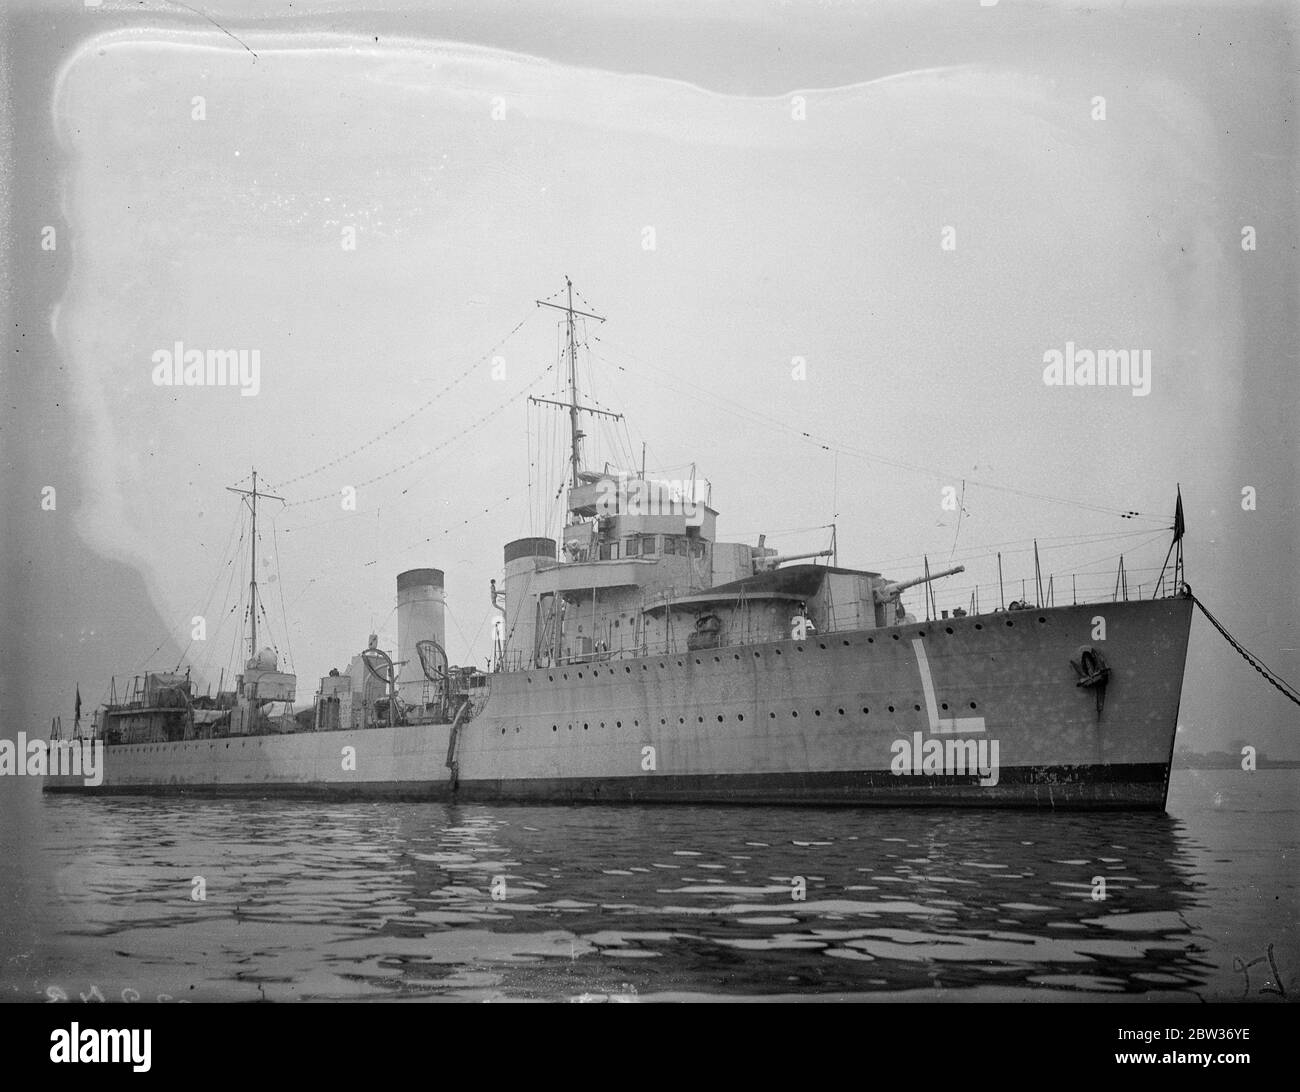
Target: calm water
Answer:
[[380, 901]]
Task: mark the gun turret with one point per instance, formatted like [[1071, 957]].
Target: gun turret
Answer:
[[893, 589]]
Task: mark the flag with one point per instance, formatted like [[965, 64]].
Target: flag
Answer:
[[1179, 526], [77, 715]]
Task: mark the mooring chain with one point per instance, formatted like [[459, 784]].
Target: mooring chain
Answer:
[[1282, 685]]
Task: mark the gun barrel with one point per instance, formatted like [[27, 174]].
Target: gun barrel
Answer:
[[773, 562], [892, 590]]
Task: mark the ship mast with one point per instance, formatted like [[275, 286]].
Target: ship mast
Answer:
[[250, 498], [573, 405]]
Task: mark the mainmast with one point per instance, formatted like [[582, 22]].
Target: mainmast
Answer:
[[250, 498], [573, 405]]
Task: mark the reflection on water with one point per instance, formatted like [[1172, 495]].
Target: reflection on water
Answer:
[[310, 901]]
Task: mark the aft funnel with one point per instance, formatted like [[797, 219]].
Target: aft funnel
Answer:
[[421, 606]]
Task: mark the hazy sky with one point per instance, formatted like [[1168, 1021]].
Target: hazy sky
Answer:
[[798, 166]]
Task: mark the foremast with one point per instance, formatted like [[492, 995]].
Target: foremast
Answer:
[[573, 405]]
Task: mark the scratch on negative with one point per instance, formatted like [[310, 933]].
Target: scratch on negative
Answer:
[[211, 20]]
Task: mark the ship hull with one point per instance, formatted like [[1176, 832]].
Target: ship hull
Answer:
[[981, 711]]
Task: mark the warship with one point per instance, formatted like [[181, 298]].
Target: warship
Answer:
[[639, 658]]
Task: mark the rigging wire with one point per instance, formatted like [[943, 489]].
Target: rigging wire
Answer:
[[275, 542], [961, 508], [741, 410], [206, 661], [486, 511], [455, 382], [484, 419], [170, 634], [222, 563]]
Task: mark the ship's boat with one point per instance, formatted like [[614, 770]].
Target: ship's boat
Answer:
[[639, 657]]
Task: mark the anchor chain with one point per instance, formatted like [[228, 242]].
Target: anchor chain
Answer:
[[1282, 685]]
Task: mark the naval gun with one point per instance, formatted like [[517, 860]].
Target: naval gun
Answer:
[[771, 561], [893, 589]]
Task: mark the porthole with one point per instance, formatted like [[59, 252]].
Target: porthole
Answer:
[[817, 712], [972, 705], [627, 670], [636, 723], [566, 675], [740, 716], [947, 629], [841, 712], [662, 721], [551, 678], [772, 716], [681, 720], [579, 674], [736, 656], [529, 678], [777, 651], [1010, 622], [979, 625], [680, 664], [891, 708], [795, 713], [661, 664], [602, 724], [717, 659], [845, 643], [920, 633], [944, 706], [555, 727], [871, 640], [917, 708], [757, 655], [617, 724], [798, 648], [821, 644], [699, 719], [865, 710], [503, 731], [1041, 618], [594, 675], [719, 718]]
